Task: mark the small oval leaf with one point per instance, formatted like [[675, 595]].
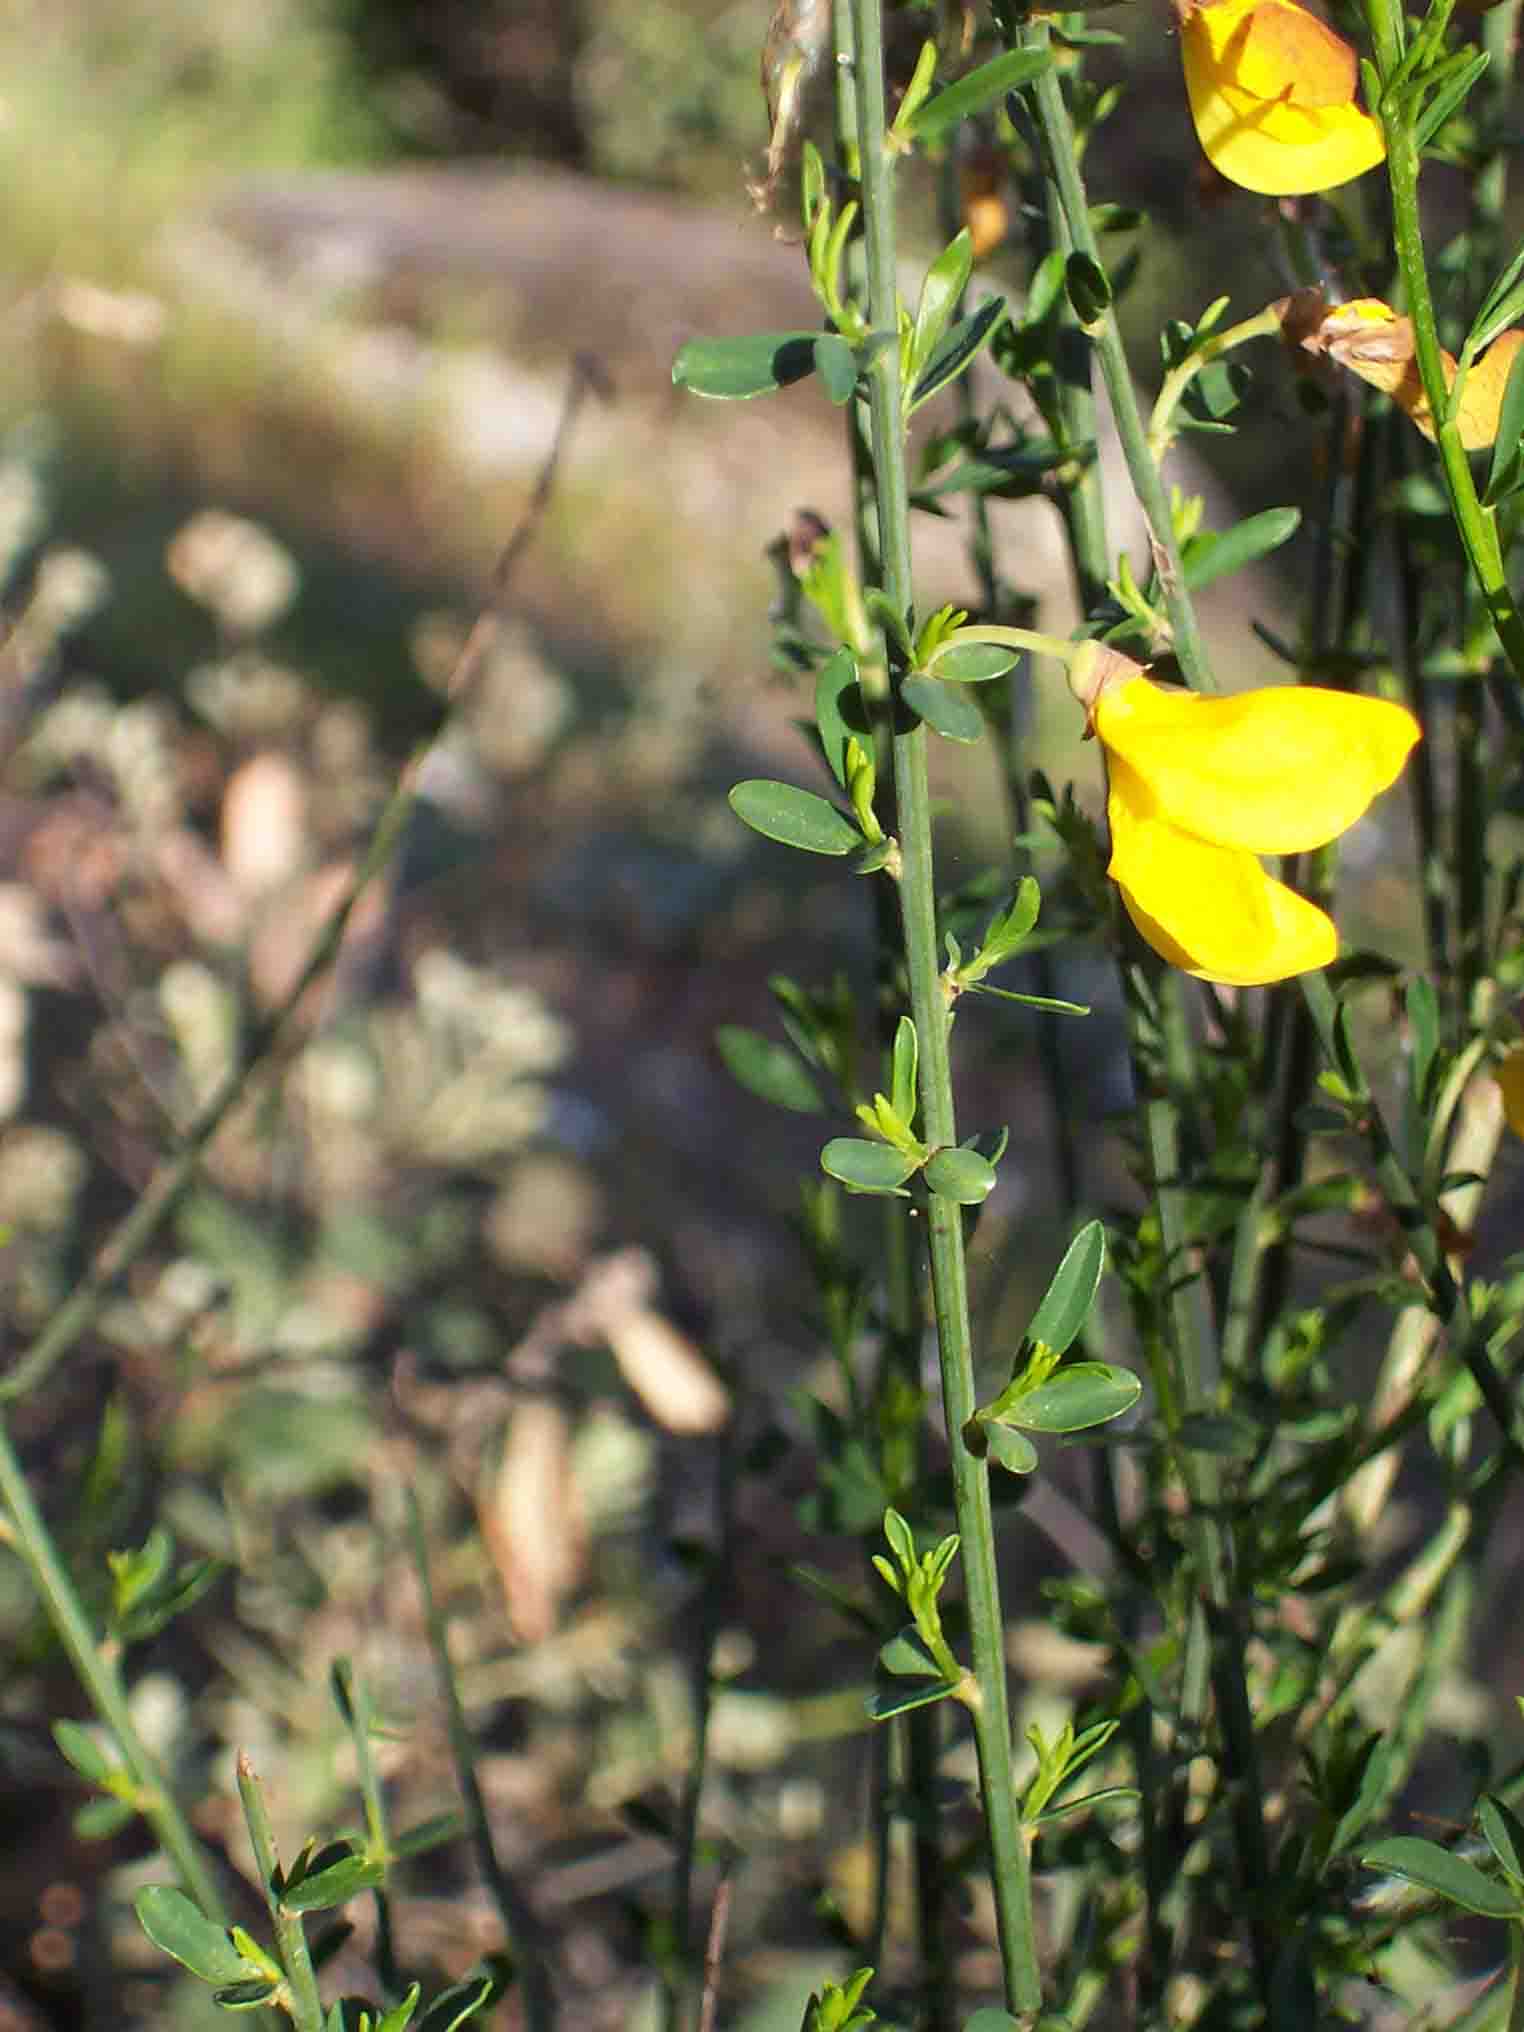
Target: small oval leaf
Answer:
[[907, 1657], [1213, 555], [865, 1167], [981, 88], [1067, 1301], [183, 1932], [945, 711], [1010, 1449], [794, 818], [962, 1175], [334, 1886], [973, 662], [731, 370], [1086, 1394], [767, 1069], [1503, 1833], [836, 364], [85, 1752], [890, 1701], [1435, 1869]]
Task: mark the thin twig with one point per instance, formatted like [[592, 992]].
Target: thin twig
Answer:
[[714, 1955]]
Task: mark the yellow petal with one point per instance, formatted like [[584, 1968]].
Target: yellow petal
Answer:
[[1369, 339], [1268, 772], [1509, 1074], [1283, 52], [1272, 93], [1206, 909]]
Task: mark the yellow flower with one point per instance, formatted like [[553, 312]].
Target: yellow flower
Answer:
[[1369, 338], [1200, 787], [1272, 92]]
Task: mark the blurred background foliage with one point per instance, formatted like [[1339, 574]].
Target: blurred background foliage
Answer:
[[497, 1226]]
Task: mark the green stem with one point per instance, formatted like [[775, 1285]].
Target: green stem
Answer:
[[1476, 525], [514, 1909], [356, 1708], [32, 1541], [1059, 140], [1009, 1855], [1161, 431], [1445, 1297], [301, 2000]]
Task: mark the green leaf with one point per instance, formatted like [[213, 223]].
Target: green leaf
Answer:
[[1426, 1864], [946, 711], [180, 1930], [459, 2004], [1503, 1834], [839, 715], [1081, 1396], [907, 1657], [794, 818], [992, 2019], [973, 662], [86, 1753], [335, 1885], [100, 1819], [836, 364], [1501, 306], [767, 1069], [904, 1067], [946, 280], [887, 1702], [866, 1167], [1503, 473], [1450, 96], [1086, 286], [961, 1175], [731, 370], [250, 1995], [966, 339], [1214, 554], [1009, 1449], [981, 88], [400, 2016], [1067, 1301], [1423, 1030], [1083, 1803]]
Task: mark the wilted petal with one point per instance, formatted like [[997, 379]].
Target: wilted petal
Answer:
[[1209, 910], [1274, 771]]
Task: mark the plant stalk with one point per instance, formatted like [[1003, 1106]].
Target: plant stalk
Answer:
[[1009, 1854]]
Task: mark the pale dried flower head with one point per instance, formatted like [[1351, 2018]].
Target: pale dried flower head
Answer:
[[235, 568]]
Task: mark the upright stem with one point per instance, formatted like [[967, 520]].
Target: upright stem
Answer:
[[1058, 137], [1010, 1859], [519, 1922], [33, 1542], [301, 1990], [1477, 525]]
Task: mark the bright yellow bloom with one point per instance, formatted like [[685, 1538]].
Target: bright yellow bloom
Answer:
[[1272, 92], [1369, 338], [1201, 786]]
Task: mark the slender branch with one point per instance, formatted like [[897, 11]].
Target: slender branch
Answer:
[[514, 1909], [301, 1996], [1010, 1860], [31, 1540], [1059, 139], [1476, 525]]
